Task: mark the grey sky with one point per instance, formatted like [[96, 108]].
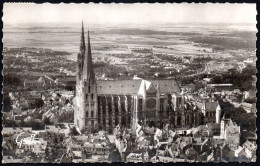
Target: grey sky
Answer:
[[128, 13]]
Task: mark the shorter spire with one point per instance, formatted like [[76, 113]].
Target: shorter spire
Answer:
[[88, 41]]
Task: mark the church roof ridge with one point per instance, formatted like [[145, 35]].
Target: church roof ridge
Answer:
[[133, 86]]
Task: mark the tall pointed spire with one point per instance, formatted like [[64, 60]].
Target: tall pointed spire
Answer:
[[86, 85], [81, 54], [88, 66], [82, 41]]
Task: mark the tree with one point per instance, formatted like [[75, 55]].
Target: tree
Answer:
[[252, 100], [198, 85], [66, 117], [73, 131], [242, 81], [34, 124], [38, 103], [46, 121], [11, 80], [243, 119], [69, 88], [7, 104], [250, 70], [8, 123], [114, 155]]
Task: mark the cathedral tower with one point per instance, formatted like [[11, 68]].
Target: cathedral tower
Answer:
[[85, 115]]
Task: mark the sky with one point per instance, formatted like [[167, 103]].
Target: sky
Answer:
[[29, 13]]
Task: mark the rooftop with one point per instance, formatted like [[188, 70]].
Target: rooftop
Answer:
[[133, 86]]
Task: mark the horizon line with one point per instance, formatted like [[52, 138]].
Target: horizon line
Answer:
[[93, 23]]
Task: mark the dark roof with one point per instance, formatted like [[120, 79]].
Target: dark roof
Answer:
[[118, 86], [62, 126], [200, 128], [19, 117], [250, 145], [162, 147], [213, 125], [199, 105], [229, 122], [217, 141], [133, 86]]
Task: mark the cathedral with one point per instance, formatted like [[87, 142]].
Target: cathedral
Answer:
[[102, 104]]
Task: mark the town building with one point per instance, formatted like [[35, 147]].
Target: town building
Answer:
[[248, 107], [10, 159], [211, 112], [250, 149], [60, 128], [134, 157], [15, 130], [42, 82], [230, 132], [220, 87], [141, 51]]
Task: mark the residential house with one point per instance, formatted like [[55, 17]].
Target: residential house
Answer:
[[227, 153], [134, 157], [248, 107], [249, 95], [10, 159], [192, 154], [202, 130], [19, 118], [220, 87], [61, 128], [163, 159], [174, 150], [42, 82], [37, 145], [211, 111], [16, 111], [214, 127], [15, 130], [161, 147], [240, 152], [250, 149], [208, 158], [96, 148], [201, 144], [184, 143], [248, 135], [143, 144], [230, 132]]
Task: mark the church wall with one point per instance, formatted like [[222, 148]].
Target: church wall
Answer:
[[120, 109], [105, 111], [115, 110]]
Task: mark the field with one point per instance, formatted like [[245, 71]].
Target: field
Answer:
[[186, 39], [170, 43]]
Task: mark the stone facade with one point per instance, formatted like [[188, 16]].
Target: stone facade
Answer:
[[230, 131], [105, 104]]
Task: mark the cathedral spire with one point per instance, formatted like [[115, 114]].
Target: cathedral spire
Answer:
[[82, 41], [89, 49], [88, 66]]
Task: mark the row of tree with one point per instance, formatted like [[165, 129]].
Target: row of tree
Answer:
[[239, 115], [240, 80]]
